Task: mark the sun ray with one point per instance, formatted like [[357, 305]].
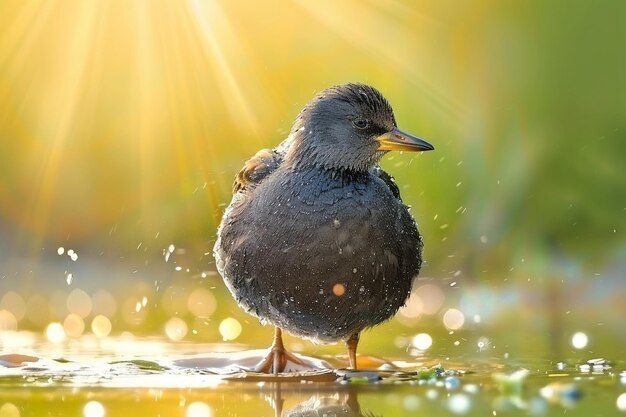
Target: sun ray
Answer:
[[21, 32], [69, 86], [149, 118], [234, 98], [336, 18]]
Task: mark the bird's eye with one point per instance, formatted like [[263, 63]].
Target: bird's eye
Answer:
[[360, 123]]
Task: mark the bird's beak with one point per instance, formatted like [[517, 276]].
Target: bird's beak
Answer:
[[397, 140]]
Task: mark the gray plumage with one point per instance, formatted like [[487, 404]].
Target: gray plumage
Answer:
[[316, 239]]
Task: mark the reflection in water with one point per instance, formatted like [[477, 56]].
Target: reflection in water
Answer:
[[323, 406], [337, 404], [187, 387]]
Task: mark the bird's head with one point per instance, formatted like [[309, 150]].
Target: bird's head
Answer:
[[348, 127]]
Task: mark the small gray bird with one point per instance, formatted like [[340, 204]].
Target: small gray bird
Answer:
[[316, 239]]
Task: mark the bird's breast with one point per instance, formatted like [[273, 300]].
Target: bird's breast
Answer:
[[311, 248]]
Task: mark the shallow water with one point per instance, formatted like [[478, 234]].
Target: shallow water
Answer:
[[211, 380]]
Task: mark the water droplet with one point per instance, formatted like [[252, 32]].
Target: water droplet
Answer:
[[483, 343], [73, 255], [168, 252]]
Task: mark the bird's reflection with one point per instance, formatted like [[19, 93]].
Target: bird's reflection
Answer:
[[326, 404]]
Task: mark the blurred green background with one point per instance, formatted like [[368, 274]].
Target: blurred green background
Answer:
[[123, 124]]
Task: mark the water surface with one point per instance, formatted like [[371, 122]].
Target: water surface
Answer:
[[194, 380]]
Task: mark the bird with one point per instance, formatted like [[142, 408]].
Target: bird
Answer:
[[316, 240]]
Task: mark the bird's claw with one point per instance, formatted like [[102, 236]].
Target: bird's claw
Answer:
[[278, 360]]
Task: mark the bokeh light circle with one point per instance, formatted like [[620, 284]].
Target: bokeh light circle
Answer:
[[580, 340], [94, 409], [73, 325], [13, 302], [198, 409], [55, 332], [621, 402], [101, 326], [431, 296], [176, 329], [8, 322], [230, 329], [422, 341], [453, 319], [201, 302], [459, 403], [9, 410]]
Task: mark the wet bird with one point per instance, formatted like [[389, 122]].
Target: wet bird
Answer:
[[316, 240]]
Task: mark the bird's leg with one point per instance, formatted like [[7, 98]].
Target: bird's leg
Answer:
[[277, 358], [351, 344]]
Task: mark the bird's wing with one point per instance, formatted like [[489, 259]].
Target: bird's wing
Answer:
[[258, 167], [388, 179]]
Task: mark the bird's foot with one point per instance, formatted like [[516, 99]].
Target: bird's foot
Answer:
[[278, 360]]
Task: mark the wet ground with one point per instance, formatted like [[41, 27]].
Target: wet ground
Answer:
[[180, 381]]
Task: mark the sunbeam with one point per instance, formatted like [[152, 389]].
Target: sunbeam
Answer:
[[206, 16], [338, 20], [71, 86]]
